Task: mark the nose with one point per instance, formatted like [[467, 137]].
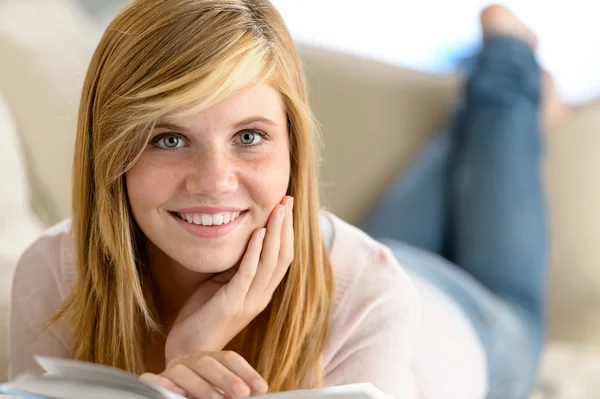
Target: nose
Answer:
[[212, 174]]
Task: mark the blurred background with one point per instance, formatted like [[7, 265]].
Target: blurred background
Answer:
[[431, 35], [382, 80]]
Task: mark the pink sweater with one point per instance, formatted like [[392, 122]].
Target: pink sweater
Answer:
[[375, 332]]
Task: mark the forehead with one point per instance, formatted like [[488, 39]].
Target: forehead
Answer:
[[259, 100]]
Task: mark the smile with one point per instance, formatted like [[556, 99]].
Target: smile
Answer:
[[211, 226], [204, 219]]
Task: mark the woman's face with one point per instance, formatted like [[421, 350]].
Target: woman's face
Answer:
[[206, 181]]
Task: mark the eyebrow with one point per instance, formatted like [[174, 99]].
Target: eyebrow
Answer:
[[253, 119], [169, 126], [237, 125]]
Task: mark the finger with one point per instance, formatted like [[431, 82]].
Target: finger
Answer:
[[240, 283], [286, 248], [191, 382], [216, 374], [163, 382], [240, 367], [270, 252]]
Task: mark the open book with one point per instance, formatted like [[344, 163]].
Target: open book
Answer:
[[69, 379]]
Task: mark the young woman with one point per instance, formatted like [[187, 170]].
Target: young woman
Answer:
[[197, 255]]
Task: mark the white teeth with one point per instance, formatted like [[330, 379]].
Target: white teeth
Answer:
[[209, 220], [206, 220]]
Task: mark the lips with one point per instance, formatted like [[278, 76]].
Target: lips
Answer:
[[209, 231]]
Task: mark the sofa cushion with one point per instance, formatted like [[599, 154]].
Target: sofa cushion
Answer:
[[373, 116], [18, 226], [573, 180]]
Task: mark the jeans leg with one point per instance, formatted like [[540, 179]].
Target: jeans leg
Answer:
[[498, 229], [507, 340], [413, 208]]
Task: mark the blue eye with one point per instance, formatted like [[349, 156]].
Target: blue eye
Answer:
[[251, 137], [168, 141]]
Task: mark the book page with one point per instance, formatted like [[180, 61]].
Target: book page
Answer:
[[51, 386], [351, 391], [69, 379], [103, 375]]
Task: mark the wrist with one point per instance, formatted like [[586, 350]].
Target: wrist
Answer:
[[182, 348], [181, 345]]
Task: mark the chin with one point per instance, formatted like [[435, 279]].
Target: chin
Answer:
[[215, 262]]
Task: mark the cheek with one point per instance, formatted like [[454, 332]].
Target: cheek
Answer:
[[150, 184], [268, 179]]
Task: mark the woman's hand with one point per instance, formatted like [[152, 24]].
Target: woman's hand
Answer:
[[210, 375], [224, 305]]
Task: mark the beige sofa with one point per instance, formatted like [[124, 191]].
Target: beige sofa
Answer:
[[374, 119]]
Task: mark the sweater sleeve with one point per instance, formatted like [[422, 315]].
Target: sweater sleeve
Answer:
[[35, 298], [374, 328]]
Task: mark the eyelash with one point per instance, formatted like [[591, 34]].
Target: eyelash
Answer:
[[156, 139]]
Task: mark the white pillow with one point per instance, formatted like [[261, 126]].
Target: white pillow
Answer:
[[45, 47], [18, 226], [13, 179]]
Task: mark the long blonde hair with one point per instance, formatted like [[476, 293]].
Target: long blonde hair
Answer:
[[157, 57]]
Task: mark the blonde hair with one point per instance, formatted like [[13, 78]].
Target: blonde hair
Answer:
[[159, 57]]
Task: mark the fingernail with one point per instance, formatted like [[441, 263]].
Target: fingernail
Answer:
[[217, 395], [260, 386], [291, 203], [261, 233], [282, 212], [180, 392]]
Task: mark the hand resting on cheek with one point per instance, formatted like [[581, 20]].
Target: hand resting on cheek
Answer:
[[220, 308]]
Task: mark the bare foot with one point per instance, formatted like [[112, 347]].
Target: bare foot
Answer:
[[498, 20], [553, 111]]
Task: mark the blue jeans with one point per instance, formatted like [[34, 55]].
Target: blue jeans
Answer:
[[469, 214]]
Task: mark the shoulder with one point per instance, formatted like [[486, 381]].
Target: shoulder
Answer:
[[47, 264], [367, 270], [376, 316], [42, 280]]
